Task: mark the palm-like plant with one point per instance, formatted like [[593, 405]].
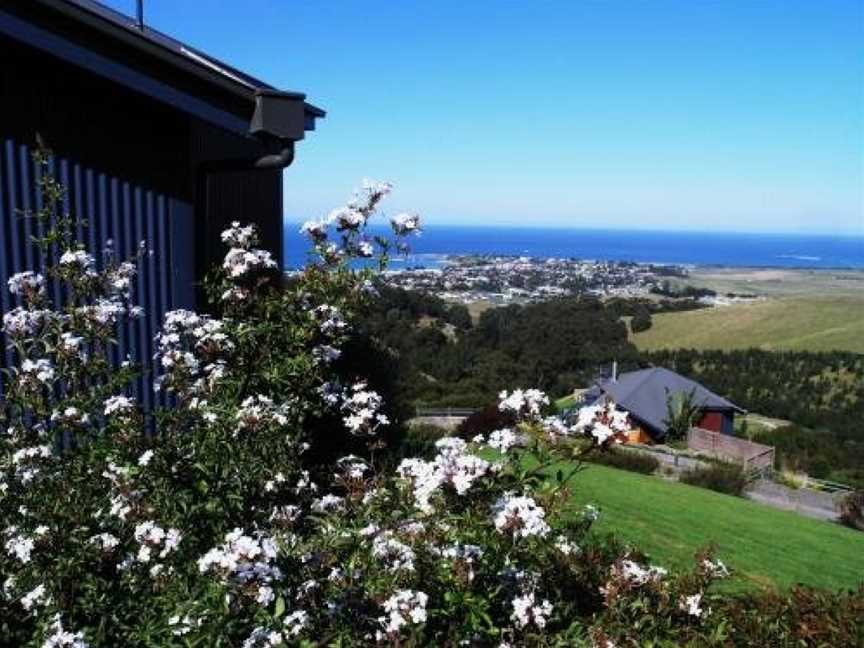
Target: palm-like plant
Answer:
[[681, 413]]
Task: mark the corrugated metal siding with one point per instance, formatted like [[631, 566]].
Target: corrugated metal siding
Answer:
[[106, 207]]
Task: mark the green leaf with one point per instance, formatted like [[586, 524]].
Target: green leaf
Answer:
[[280, 608]]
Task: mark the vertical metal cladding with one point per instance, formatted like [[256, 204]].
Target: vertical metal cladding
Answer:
[[105, 208]]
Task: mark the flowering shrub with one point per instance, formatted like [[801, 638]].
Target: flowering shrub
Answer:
[[230, 525]]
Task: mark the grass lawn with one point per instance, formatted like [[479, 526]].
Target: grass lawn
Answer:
[[796, 323], [766, 547]]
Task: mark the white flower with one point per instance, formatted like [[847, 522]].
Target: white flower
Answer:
[[119, 405], [20, 547], [502, 440], [347, 218], [636, 574], [691, 605], [40, 370], [404, 224], [71, 345], [265, 595], [403, 608], [263, 638], [240, 236], [328, 503], [120, 279], [180, 627], [452, 466], [376, 188], [245, 562], [466, 554], [258, 411], [21, 322], [554, 427], [326, 353], [520, 516], [715, 569], [240, 262], [34, 597], [591, 513], [351, 468], [566, 546], [104, 541], [70, 416], [28, 462], [285, 515], [101, 315], [315, 230], [78, 261], [61, 638], [27, 284], [151, 537], [525, 403], [191, 351], [526, 610], [397, 555], [304, 483], [602, 422], [361, 407], [330, 318], [296, 622]]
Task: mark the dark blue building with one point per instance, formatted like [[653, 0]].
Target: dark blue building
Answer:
[[153, 139]]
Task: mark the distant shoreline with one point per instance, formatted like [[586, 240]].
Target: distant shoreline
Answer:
[[684, 249], [688, 266]]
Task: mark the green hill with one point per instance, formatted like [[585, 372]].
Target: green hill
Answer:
[[794, 323], [766, 547]]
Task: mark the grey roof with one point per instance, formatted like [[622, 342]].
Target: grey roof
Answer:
[[644, 394]]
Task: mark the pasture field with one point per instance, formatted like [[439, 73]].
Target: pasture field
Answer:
[[800, 323], [779, 282]]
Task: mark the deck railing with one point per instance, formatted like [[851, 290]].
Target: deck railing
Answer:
[[755, 458]]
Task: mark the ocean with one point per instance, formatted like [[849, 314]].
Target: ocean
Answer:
[[431, 248]]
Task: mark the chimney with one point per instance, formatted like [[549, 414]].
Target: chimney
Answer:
[[140, 13]]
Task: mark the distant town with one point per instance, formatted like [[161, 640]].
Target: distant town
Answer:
[[506, 279]]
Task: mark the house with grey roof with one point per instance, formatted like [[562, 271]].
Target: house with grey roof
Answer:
[[645, 393]]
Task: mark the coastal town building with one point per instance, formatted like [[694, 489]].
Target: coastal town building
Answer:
[[507, 279]]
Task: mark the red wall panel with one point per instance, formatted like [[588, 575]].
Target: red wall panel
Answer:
[[711, 421]]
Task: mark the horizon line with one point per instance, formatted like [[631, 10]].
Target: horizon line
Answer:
[[614, 228]]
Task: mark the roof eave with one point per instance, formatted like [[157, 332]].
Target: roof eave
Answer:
[[195, 63]]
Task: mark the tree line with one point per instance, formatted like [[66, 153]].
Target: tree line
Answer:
[[439, 356]]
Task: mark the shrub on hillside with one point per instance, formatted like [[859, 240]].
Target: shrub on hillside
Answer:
[[484, 421], [641, 321], [852, 510], [720, 477], [820, 454], [419, 440], [631, 460]]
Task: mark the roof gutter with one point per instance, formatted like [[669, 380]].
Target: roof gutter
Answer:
[[279, 159], [278, 122]]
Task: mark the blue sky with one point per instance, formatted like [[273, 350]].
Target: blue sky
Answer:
[[660, 115]]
